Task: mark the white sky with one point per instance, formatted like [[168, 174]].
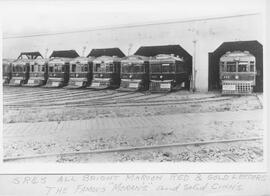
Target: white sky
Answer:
[[34, 17]]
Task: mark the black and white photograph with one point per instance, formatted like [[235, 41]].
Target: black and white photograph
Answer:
[[127, 84]]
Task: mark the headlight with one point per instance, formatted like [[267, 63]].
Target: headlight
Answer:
[[161, 76], [236, 77]]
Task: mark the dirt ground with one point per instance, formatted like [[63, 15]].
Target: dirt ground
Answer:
[[87, 140], [75, 113]]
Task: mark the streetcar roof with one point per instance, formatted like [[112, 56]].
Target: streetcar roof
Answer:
[[59, 60], [166, 57], [134, 58], [237, 55], [82, 60], [22, 62], [106, 59], [7, 61], [40, 61]]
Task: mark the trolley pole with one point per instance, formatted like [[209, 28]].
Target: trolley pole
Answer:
[[83, 51], [46, 52]]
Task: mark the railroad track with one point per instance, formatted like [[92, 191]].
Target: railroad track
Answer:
[[53, 98], [109, 102], [129, 149]]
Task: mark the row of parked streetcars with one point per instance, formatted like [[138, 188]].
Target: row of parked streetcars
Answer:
[[162, 72], [159, 70]]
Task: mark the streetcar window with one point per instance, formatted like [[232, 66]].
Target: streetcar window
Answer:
[[138, 68], [63, 69], [13, 68], [19, 69], [6, 68], [155, 68], [32, 68], [97, 68], [179, 67], [59, 68], [50, 69], [242, 67], [73, 68], [85, 68], [222, 66], [42, 68], [109, 67], [231, 67], [167, 68], [36, 68], [132, 68], [251, 68]]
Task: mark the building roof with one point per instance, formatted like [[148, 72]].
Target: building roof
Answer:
[[151, 51], [64, 54], [106, 52], [30, 55]]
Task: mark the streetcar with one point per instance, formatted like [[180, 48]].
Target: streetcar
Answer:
[[168, 73], [21, 68], [80, 73], [134, 73], [106, 72], [38, 73], [237, 72], [58, 68], [6, 71]]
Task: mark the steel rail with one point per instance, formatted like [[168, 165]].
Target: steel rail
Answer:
[[127, 103], [100, 151]]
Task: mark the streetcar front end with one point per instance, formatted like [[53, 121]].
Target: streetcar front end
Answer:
[[80, 75], [7, 72], [167, 73], [38, 73], [58, 73], [237, 73], [134, 73], [106, 73]]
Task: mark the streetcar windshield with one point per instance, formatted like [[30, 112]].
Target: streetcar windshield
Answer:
[[133, 68], [56, 68], [222, 66], [231, 66], [155, 68], [167, 68], [252, 66], [6, 68], [162, 68], [18, 69], [77, 68], [242, 66], [37, 68], [103, 67]]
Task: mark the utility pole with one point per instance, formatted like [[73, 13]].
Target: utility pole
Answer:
[[194, 66], [194, 71]]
